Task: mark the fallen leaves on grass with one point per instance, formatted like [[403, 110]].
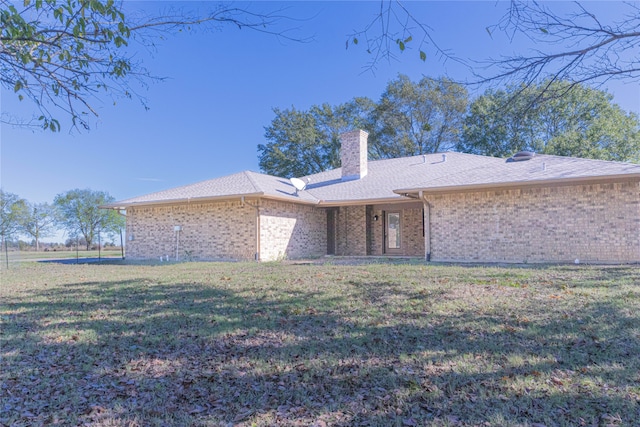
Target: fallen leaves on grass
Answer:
[[186, 344]]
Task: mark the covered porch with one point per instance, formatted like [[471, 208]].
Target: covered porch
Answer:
[[387, 230]]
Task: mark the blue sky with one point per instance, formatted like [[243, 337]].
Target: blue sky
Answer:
[[207, 118]]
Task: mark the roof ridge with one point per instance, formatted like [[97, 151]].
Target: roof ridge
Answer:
[[475, 155], [262, 173], [248, 173], [395, 159], [462, 172]]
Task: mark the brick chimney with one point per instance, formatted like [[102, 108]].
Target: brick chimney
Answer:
[[353, 154]]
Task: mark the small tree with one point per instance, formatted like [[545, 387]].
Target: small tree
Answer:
[[80, 213], [12, 209], [38, 221]]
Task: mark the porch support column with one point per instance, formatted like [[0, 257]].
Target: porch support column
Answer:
[[427, 226]]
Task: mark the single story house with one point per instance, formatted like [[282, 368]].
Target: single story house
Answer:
[[443, 207]]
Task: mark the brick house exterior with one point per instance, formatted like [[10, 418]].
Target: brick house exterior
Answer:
[[597, 223], [444, 207]]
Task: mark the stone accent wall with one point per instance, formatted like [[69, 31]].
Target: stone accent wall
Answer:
[[591, 223], [353, 154], [351, 231], [223, 230], [291, 231]]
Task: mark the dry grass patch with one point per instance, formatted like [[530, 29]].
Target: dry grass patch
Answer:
[[212, 344]]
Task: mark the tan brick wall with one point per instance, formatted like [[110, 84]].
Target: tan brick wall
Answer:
[[291, 231], [412, 240], [227, 230], [351, 231], [376, 232], [592, 223], [224, 230], [413, 244]]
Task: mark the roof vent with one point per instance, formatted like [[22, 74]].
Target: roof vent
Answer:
[[521, 156]]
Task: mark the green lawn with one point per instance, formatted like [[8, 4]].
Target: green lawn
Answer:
[[245, 344], [25, 256]]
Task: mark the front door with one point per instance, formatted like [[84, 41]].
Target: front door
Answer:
[[392, 233]]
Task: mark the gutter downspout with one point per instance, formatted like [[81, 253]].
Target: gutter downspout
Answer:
[[257, 208], [427, 226]]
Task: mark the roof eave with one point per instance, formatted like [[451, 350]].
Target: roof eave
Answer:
[[123, 205], [291, 199], [356, 202], [528, 183]]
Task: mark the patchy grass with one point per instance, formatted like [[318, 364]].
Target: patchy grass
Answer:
[[213, 344]]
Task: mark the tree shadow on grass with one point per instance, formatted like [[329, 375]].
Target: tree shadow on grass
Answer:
[[140, 352]]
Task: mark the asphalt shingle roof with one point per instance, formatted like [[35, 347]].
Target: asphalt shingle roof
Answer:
[[541, 168], [384, 176], [390, 178]]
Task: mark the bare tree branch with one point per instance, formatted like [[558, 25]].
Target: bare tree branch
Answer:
[[573, 43], [588, 50]]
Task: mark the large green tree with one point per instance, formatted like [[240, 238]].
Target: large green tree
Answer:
[[411, 118], [499, 124], [80, 213], [61, 54], [305, 142], [421, 117], [577, 121], [38, 220]]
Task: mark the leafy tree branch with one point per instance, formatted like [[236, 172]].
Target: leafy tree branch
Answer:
[[63, 54]]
